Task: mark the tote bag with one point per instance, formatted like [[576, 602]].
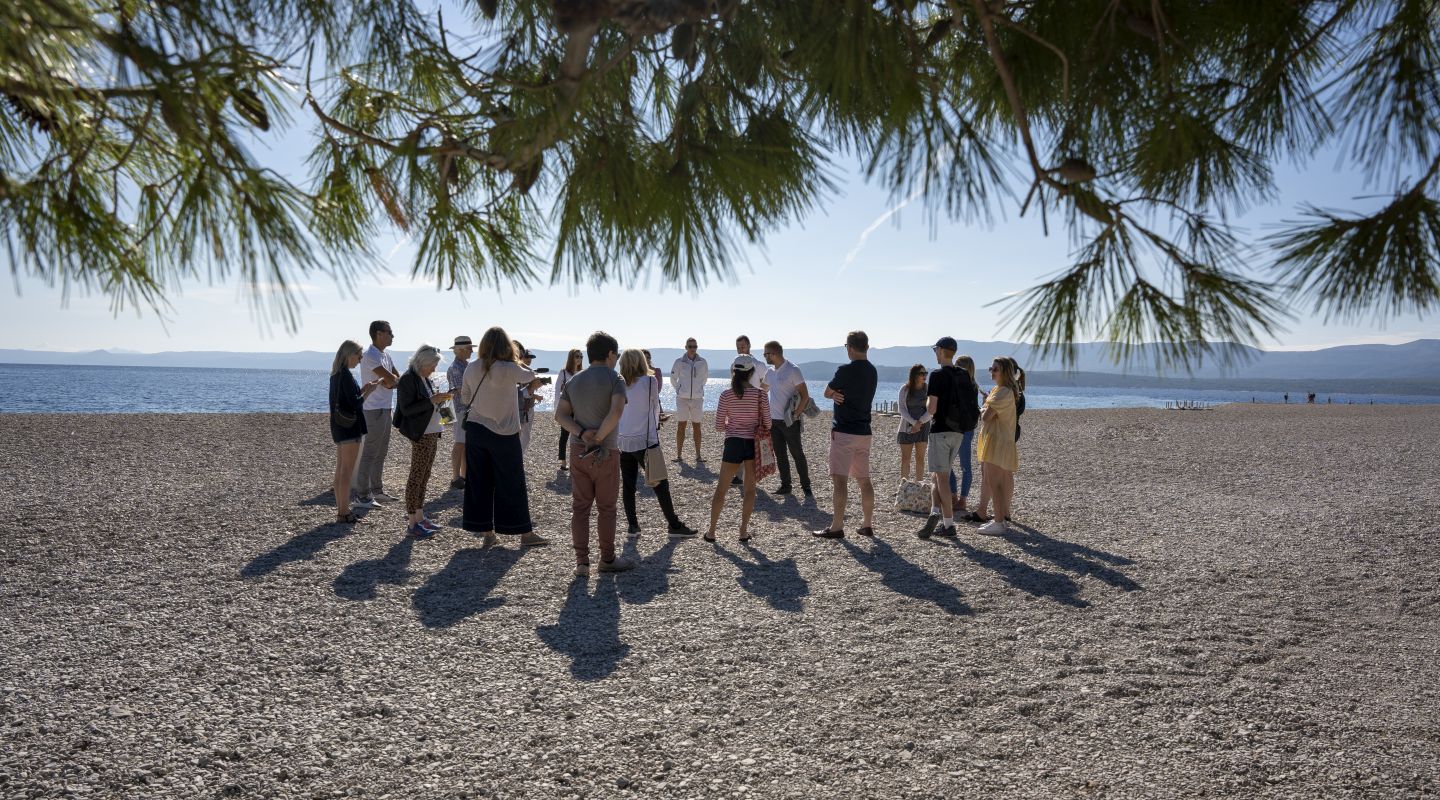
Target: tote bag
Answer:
[[655, 469]]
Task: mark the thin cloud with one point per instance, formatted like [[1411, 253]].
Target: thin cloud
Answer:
[[937, 163]]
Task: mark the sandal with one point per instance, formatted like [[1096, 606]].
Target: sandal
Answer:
[[707, 537], [348, 518], [746, 538]]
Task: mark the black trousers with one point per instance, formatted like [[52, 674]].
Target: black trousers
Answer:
[[495, 494], [786, 438], [564, 440], [630, 464]]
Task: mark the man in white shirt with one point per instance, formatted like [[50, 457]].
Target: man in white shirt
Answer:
[[370, 470], [688, 376], [787, 385], [757, 374]]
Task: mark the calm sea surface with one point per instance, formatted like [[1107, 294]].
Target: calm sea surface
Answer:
[[71, 390]]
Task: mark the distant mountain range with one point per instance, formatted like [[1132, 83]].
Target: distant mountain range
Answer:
[[1417, 362]]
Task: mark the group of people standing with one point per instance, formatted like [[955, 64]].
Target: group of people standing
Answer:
[[610, 415]]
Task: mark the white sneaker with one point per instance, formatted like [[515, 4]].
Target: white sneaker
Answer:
[[993, 528], [364, 502]]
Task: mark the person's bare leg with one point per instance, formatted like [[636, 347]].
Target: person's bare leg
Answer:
[[920, 459], [1004, 487], [696, 425], [717, 501], [748, 506], [940, 493], [345, 457], [984, 502], [839, 482], [680, 441], [905, 462], [867, 500]]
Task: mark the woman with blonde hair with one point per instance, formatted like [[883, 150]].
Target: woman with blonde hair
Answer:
[[639, 439], [961, 491], [996, 446], [496, 499], [417, 416], [914, 432], [574, 362], [347, 423]]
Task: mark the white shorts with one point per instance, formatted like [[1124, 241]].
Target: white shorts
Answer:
[[690, 410]]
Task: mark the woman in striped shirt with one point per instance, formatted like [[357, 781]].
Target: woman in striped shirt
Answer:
[[743, 414]]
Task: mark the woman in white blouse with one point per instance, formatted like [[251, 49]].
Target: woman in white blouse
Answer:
[[496, 501], [639, 435]]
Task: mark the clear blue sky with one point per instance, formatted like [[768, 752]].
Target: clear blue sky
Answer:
[[904, 287]]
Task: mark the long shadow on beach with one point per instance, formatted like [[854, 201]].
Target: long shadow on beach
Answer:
[[325, 498], [1052, 585], [302, 547], [462, 589], [644, 585], [588, 629], [361, 580], [778, 583], [1076, 558], [903, 577], [792, 507], [695, 472]]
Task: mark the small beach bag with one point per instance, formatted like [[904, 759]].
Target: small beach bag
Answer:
[[655, 469], [913, 496]]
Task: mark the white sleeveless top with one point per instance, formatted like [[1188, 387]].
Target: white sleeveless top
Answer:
[[640, 421]]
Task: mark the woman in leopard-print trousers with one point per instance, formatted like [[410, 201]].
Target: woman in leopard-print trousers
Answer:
[[422, 459]]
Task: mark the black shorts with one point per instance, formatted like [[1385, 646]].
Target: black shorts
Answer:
[[738, 450]]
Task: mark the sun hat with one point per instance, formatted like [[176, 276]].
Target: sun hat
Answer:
[[462, 341]]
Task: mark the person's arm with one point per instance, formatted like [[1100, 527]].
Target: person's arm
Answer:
[[832, 393], [764, 427], [675, 376], [565, 417], [804, 393], [703, 375], [722, 411], [903, 403], [368, 388]]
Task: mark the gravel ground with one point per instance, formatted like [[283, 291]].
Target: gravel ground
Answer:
[[1239, 602]]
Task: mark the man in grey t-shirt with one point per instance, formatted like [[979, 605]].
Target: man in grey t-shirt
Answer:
[[589, 408]]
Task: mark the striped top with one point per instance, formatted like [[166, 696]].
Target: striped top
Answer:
[[740, 416]]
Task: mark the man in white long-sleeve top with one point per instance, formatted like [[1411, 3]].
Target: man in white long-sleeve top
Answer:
[[688, 376]]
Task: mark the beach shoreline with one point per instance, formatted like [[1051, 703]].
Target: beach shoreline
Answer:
[[1239, 601]]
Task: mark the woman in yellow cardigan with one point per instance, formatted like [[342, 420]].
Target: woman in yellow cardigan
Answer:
[[996, 444]]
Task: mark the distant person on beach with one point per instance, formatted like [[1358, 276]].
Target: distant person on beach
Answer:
[[853, 392], [743, 416], [1287, 398], [688, 376], [590, 409], [639, 438], [454, 377], [996, 446], [914, 433], [951, 401], [496, 498], [961, 491], [789, 400], [574, 362], [347, 423], [417, 416], [368, 484], [526, 396]]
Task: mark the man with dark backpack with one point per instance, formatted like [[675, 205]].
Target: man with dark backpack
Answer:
[[952, 405]]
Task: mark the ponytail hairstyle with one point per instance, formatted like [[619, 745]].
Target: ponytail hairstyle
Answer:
[[740, 379], [1005, 373]]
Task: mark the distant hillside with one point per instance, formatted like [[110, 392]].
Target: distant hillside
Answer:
[[1417, 361]]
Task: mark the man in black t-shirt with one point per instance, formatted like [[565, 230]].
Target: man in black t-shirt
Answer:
[[853, 391], [948, 389]]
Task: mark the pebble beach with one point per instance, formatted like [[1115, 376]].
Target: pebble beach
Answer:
[[1239, 602]]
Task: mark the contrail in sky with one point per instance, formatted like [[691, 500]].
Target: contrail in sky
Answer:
[[941, 157]]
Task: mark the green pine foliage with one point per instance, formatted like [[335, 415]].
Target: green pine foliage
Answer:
[[594, 141]]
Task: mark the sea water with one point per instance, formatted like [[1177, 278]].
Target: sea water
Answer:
[[41, 388]]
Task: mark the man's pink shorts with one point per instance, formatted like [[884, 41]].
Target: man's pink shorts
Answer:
[[849, 455]]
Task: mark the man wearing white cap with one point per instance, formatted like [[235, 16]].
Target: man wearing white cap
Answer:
[[462, 349]]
